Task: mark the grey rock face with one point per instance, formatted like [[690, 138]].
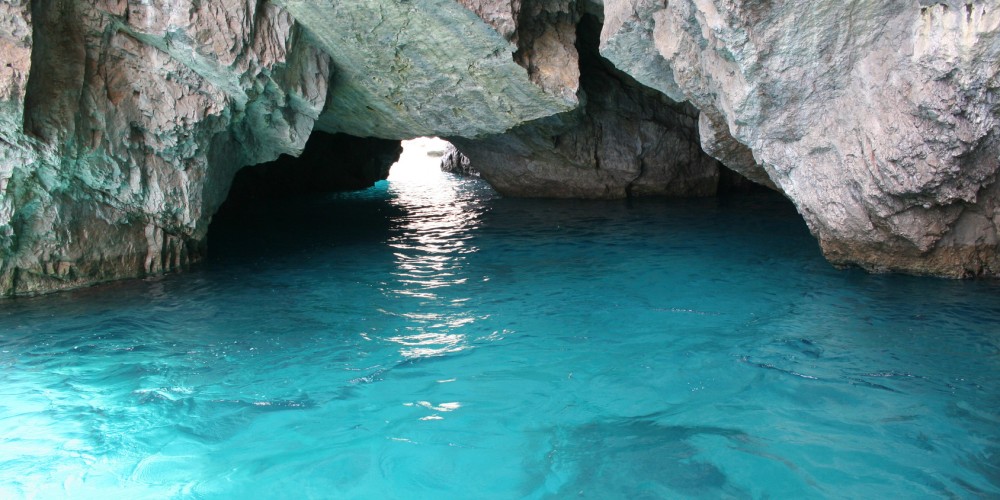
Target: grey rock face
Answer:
[[878, 119], [626, 140], [454, 162], [423, 68]]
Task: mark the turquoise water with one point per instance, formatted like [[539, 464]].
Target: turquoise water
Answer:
[[422, 340]]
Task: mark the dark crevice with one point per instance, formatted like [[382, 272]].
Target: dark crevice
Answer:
[[598, 75], [732, 182], [329, 163], [58, 58]]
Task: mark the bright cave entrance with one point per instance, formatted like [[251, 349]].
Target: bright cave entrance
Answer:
[[420, 161], [330, 195]]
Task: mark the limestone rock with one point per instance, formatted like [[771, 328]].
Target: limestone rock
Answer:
[[878, 119], [454, 162], [133, 119], [15, 51], [123, 122], [626, 140], [424, 68], [502, 16]]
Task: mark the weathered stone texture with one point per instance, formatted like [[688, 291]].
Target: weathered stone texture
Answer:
[[15, 50], [15, 148], [626, 140], [422, 68], [135, 117], [501, 16], [454, 162], [122, 122], [878, 119]]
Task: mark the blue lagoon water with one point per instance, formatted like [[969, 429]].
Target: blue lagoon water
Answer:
[[427, 338]]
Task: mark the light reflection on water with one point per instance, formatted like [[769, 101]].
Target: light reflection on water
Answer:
[[431, 238], [434, 340]]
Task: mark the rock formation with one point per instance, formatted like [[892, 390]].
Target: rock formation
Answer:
[[127, 122], [879, 120], [454, 162], [623, 140], [123, 122], [424, 68]]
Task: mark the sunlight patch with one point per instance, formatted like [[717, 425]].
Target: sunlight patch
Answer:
[[421, 160]]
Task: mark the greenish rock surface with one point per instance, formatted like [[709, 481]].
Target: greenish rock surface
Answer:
[[423, 68], [123, 123], [126, 122]]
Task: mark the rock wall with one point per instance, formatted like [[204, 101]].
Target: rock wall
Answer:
[[878, 119], [123, 122], [624, 140]]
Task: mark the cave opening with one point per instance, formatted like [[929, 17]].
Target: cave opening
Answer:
[[280, 207], [420, 160], [334, 193], [291, 204], [287, 202]]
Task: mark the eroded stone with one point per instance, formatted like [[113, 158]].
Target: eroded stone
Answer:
[[879, 120]]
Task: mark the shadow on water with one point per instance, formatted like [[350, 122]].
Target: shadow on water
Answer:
[[308, 224], [650, 460]]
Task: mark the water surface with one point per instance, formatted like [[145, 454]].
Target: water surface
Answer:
[[427, 338]]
